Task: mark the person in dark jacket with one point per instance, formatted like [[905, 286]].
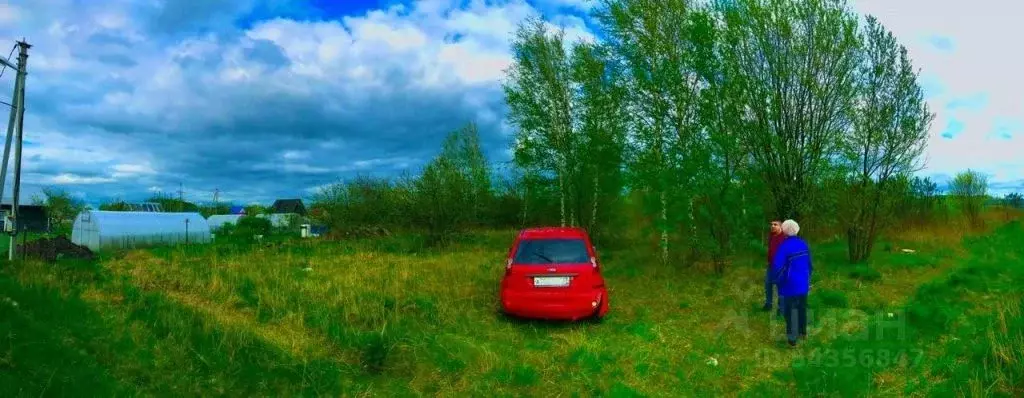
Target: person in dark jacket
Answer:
[[774, 240], [791, 270]]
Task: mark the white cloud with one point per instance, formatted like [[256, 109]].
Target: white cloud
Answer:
[[964, 51], [72, 179], [582, 5], [9, 14], [131, 170], [294, 155]]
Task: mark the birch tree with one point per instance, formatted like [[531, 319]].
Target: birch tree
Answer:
[[652, 39], [539, 98], [600, 120]]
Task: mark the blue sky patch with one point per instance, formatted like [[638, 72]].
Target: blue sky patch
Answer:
[[932, 86], [974, 102], [1006, 128], [953, 128], [941, 43]]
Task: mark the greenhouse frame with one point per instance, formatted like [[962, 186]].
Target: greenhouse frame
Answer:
[[100, 230]]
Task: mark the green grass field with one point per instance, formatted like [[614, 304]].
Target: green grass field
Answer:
[[385, 318]]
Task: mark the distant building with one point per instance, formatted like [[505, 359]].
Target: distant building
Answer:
[[238, 210], [278, 220], [31, 218], [288, 206]]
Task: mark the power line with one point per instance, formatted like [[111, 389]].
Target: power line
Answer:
[[9, 55]]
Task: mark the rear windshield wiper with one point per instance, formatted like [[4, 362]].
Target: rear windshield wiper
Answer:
[[543, 257]]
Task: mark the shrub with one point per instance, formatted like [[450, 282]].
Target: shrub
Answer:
[[970, 188], [249, 226]]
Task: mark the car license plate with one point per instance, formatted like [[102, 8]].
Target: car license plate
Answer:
[[551, 281]]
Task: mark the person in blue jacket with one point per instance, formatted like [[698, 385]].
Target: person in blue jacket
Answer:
[[791, 270]]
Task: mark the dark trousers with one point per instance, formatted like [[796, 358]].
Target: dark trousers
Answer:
[[795, 312]]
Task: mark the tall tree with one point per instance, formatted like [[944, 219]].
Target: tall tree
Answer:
[[889, 134], [796, 61], [726, 161], [600, 119], [462, 147], [539, 96], [442, 195], [1014, 200], [653, 41]]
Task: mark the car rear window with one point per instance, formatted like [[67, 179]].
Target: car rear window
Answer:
[[552, 251]]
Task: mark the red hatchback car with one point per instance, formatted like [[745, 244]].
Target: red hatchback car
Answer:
[[553, 273]]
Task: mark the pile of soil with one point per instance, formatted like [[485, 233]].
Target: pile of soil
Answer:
[[51, 249]]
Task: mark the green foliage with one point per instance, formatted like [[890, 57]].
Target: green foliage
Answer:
[[890, 129], [831, 298], [864, 272], [540, 100], [600, 120], [462, 149], [117, 205], [249, 226], [970, 189], [454, 192], [61, 207], [220, 208], [663, 49], [809, 78], [1015, 200], [255, 209], [363, 202], [391, 317], [442, 197], [172, 204], [975, 350], [922, 203]]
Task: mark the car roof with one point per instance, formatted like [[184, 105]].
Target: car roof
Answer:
[[553, 232]]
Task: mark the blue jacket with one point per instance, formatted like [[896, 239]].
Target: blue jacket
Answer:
[[794, 279]]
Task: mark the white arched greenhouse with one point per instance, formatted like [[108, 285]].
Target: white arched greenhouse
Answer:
[[100, 230], [217, 221]]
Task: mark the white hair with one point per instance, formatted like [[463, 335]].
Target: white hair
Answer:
[[790, 228]]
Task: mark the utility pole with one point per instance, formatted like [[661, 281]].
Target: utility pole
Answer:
[[216, 203], [15, 128], [181, 197]]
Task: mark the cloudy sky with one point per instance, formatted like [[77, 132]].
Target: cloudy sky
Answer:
[[267, 99]]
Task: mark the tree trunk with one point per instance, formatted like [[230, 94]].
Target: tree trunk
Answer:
[[597, 194], [857, 243], [526, 202], [664, 227], [561, 194]]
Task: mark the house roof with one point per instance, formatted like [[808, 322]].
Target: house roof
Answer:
[[288, 206]]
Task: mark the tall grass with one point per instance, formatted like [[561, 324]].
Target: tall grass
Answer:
[[904, 338], [393, 317]]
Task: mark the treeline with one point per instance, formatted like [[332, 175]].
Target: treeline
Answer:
[[692, 124]]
